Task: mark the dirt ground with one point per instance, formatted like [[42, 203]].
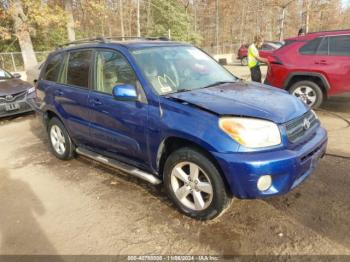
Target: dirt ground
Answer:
[[48, 206]]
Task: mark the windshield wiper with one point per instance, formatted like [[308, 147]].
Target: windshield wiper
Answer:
[[186, 90], [218, 83], [178, 91]]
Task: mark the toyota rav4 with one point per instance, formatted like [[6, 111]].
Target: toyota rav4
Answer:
[[312, 67], [167, 113]]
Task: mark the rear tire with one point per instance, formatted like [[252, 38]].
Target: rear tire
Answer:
[[194, 184], [60, 143], [308, 92], [244, 61]]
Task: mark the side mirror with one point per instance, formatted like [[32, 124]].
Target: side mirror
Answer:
[[17, 75], [125, 92]]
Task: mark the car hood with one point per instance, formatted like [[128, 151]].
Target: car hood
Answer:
[[13, 86], [245, 99]]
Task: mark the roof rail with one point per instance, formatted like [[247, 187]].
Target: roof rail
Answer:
[[330, 31], [163, 38], [83, 41], [102, 39]]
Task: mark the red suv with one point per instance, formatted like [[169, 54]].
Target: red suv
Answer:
[[313, 66]]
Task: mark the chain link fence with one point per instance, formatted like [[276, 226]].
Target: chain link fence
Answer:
[[13, 61], [222, 49]]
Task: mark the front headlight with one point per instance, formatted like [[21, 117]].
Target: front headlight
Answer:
[[250, 132], [31, 90]]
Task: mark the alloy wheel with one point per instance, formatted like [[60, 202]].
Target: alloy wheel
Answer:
[[306, 94], [191, 186], [57, 139]]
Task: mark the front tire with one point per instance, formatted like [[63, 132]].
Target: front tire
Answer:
[[308, 92], [60, 143], [194, 184]]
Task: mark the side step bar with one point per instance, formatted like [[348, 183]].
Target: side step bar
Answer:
[[119, 165]]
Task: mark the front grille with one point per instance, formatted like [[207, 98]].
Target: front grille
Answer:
[[17, 96], [300, 126]]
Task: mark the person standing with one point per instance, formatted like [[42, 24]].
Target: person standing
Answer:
[[254, 59], [301, 32]]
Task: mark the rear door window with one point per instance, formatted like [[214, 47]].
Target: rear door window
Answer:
[[323, 48], [78, 68], [53, 67], [339, 45], [310, 47]]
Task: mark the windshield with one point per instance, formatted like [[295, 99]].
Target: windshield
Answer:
[[4, 75], [179, 68]]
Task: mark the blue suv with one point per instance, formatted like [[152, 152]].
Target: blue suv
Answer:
[[166, 112]]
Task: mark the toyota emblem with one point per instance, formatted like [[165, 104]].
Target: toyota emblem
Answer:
[[306, 124], [9, 98]]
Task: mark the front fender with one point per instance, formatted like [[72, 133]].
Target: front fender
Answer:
[[191, 124]]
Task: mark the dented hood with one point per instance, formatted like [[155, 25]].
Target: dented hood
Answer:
[[245, 99]]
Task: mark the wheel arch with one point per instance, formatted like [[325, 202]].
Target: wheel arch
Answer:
[[49, 114], [170, 144], [318, 78]]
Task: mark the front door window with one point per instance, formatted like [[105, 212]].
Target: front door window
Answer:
[[112, 69]]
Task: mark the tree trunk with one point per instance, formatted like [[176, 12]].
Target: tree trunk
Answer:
[[22, 34], [70, 20], [282, 24], [130, 13], [217, 27], [307, 16], [148, 23], [138, 18], [121, 18], [241, 27]]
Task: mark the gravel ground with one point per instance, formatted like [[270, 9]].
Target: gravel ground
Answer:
[[48, 206]]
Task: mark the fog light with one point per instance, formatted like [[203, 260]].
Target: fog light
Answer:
[[264, 182]]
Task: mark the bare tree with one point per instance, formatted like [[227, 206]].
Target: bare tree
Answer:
[[138, 18], [70, 20], [217, 26], [21, 29], [306, 14], [121, 17]]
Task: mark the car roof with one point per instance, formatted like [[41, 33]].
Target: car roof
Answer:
[[313, 35], [129, 44]]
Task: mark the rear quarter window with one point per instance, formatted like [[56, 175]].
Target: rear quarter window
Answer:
[[53, 67], [339, 45]]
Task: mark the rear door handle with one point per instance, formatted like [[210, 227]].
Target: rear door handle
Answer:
[[321, 62]]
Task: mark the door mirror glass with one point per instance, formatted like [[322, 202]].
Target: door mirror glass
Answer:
[[125, 92]]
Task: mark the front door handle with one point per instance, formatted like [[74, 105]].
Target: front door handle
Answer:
[[95, 102]]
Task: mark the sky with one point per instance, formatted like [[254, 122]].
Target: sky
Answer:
[[345, 2]]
